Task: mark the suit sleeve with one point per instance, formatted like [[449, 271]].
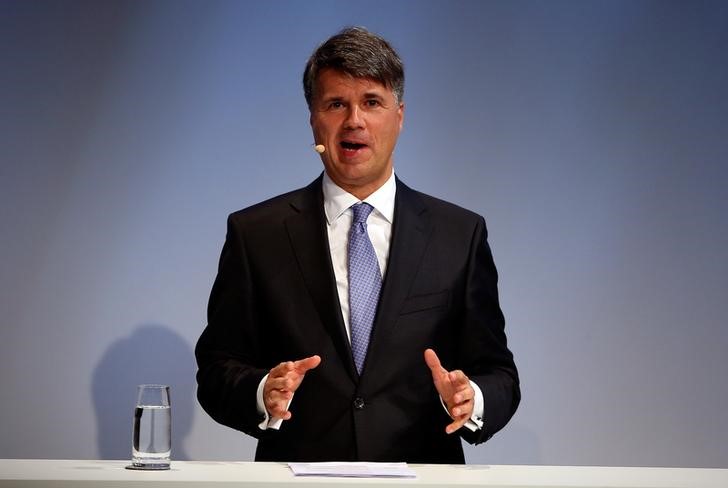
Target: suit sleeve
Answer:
[[484, 355], [228, 352]]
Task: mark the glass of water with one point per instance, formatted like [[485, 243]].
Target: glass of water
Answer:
[[152, 432]]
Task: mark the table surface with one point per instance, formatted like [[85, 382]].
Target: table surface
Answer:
[[188, 474]]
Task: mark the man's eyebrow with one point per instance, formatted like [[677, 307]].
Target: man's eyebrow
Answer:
[[331, 98], [340, 98]]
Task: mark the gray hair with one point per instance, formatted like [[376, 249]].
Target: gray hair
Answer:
[[358, 53]]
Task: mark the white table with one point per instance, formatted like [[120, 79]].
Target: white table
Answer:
[[20, 473]]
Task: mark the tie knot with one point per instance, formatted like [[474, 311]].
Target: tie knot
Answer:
[[361, 212]]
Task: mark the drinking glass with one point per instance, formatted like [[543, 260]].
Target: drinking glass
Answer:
[[152, 431]]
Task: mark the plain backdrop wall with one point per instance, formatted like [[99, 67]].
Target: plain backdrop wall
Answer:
[[591, 135]]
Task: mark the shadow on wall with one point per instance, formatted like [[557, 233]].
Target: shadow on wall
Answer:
[[151, 354]]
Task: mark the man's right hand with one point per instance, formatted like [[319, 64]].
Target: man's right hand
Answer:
[[282, 382]]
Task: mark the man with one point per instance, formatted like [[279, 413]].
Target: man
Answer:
[[348, 331]]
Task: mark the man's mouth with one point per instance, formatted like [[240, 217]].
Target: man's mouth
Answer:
[[351, 146]]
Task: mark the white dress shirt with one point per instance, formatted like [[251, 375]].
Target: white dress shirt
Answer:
[[337, 208]]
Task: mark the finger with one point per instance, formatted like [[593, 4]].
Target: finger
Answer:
[[458, 383], [462, 392], [460, 416], [458, 378], [279, 411], [462, 410], [456, 425], [281, 383], [279, 395], [276, 405], [277, 408], [281, 370], [463, 396], [277, 401]]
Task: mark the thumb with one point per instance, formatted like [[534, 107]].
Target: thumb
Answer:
[[305, 364], [433, 362]]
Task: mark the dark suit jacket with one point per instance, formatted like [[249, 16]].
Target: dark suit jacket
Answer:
[[275, 299]]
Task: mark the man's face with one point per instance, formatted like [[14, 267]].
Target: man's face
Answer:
[[358, 120]]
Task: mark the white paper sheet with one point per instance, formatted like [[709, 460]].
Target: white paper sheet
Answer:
[[353, 470]]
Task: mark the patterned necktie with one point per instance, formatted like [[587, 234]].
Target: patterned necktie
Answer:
[[365, 281]]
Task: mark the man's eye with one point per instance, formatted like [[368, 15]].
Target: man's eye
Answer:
[[336, 105], [372, 103]]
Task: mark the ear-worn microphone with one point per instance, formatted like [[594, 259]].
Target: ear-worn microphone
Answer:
[[319, 148]]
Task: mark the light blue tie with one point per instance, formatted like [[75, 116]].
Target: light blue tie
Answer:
[[365, 281]]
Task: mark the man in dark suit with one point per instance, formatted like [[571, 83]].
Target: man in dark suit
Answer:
[[357, 319]]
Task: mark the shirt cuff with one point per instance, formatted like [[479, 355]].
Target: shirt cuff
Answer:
[[268, 421]]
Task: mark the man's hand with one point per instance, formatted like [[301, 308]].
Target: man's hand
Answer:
[[454, 389], [282, 382]]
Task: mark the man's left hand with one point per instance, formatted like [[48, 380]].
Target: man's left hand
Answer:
[[454, 389]]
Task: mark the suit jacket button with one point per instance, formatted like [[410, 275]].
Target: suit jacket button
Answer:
[[359, 403]]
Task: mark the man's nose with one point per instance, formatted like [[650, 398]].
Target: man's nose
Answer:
[[354, 118]]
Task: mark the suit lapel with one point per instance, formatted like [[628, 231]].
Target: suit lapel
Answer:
[[410, 235], [307, 233]]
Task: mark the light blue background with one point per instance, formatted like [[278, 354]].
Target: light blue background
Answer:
[[591, 135]]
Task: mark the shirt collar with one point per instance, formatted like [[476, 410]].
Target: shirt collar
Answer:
[[337, 200]]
